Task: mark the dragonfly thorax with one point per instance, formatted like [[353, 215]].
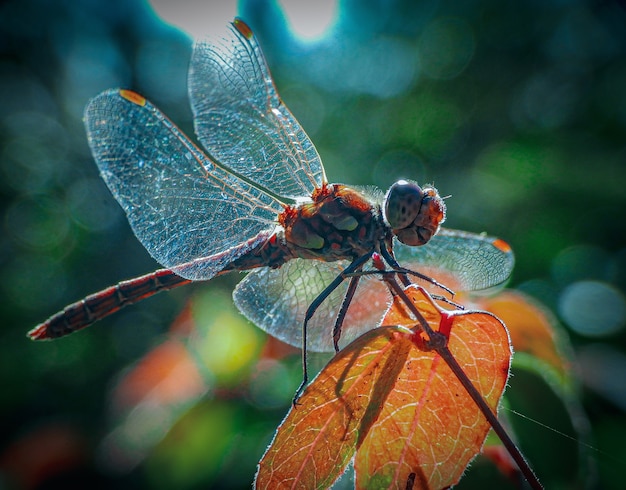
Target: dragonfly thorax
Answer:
[[414, 213], [338, 223]]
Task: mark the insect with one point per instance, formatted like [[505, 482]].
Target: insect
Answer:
[[261, 203]]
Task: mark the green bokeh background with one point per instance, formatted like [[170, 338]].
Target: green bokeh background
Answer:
[[515, 110]]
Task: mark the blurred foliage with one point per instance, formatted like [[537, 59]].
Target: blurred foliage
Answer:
[[515, 110]]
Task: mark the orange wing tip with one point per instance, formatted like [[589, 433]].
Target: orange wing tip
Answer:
[[502, 245], [243, 28], [133, 97], [40, 332]]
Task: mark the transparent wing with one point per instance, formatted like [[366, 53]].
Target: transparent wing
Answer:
[[475, 262], [182, 207], [277, 299], [241, 121]]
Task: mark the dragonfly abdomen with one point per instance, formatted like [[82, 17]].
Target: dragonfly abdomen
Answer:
[[96, 306]]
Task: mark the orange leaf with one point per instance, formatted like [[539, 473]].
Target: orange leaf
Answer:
[[397, 405], [317, 439], [532, 329], [429, 428]]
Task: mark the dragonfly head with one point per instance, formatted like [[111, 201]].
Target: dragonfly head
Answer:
[[413, 213]]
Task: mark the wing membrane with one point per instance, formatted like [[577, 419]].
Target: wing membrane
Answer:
[[181, 206], [475, 262], [277, 299], [241, 121]]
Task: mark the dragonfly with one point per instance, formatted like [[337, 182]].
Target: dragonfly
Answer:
[[258, 201]]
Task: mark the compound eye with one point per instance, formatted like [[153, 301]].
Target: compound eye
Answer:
[[402, 204]]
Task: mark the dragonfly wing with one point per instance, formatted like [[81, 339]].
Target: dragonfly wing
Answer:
[[277, 299], [241, 121], [476, 262], [182, 207]]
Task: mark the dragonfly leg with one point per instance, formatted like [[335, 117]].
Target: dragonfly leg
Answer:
[[403, 272], [347, 299], [435, 337], [315, 304], [391, 260]]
